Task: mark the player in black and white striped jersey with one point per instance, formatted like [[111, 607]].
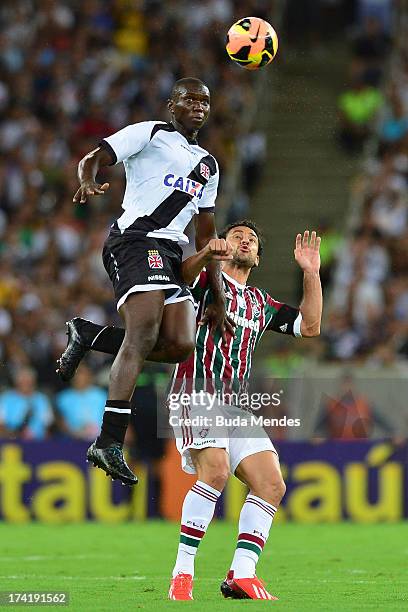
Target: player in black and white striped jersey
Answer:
[[169, 180]]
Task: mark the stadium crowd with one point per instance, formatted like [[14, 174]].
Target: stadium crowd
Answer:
[[369, 303]]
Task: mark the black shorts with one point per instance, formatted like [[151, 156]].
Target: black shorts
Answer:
[[139, 263]]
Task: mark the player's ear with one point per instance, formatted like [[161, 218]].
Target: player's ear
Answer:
[[256, 264], [170, 105]]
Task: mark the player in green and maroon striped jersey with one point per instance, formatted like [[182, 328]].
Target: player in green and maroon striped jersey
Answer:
[[215, 453]]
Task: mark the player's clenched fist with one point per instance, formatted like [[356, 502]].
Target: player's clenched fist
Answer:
[[89, 188], [218, 249]]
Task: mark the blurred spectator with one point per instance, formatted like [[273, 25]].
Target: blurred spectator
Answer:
[[393, 125], [342, 339], [349, 415], [80, 408], [25, 412], [371, 45], [253, 154], [380, 10], [284, 362], [358, 107], [332, 241]]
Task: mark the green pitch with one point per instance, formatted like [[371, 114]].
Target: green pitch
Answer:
[[124, 567]]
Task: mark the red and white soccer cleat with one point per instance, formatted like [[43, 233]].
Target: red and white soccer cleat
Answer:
[[181, 587], [244, 588]]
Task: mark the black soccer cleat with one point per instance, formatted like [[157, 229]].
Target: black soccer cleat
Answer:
[[228, 592], [111, 461], [70, 359]]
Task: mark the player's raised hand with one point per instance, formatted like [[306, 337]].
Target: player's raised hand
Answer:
[[307, 252], [89, 188], [218, 249]]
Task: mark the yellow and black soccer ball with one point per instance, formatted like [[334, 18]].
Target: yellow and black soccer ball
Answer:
[[252, 43]]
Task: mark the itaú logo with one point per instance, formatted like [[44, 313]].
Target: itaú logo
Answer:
[[181, 183]]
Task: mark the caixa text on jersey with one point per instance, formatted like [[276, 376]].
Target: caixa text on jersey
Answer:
[[181, 183]]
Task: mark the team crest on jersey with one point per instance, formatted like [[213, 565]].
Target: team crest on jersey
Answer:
[[204, 171], [256, 309], [154, 259]]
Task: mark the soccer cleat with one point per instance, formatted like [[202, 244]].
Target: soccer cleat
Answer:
[[181, 587], [76, 349], [111, 460], [244, 588]]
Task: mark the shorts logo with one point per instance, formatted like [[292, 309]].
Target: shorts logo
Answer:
[[158, 277], [154, 259], [203, 433], [205, 171]]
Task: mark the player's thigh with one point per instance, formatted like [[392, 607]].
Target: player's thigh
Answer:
[[142, 314], [178, 325], [261, 472]]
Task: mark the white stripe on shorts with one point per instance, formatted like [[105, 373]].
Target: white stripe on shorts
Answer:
[[120, 410]]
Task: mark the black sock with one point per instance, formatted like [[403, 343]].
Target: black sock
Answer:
[[115, 422], [105, 339]]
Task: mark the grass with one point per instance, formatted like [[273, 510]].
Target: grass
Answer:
[[338, 567]]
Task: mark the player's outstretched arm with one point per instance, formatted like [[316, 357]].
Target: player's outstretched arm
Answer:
[[88, 168], [215, 314], [307, 255], [217, 249]]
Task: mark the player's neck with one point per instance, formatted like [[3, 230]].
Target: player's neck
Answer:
[[238, 273], [189, 135]]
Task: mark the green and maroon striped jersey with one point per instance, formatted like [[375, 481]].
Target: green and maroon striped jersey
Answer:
[[213, 365]]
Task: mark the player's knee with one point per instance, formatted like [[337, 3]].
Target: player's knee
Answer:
[[181, 351], [216, 474], [137, 344], [217, 479], [270, 489]]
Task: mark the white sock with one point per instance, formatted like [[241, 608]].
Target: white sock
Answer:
[[198, 510], [255, 522]]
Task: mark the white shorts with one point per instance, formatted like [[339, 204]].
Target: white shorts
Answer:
[[195, 427]]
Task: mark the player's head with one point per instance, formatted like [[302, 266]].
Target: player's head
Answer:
[[246, 241], [189, 103]]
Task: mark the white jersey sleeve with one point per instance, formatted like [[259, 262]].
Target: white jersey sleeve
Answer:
[[207, 202], [128, 141]]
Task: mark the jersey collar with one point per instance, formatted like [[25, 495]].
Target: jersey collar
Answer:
[[233, 281]]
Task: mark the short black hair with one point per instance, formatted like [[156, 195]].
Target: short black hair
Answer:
[[183, 83], [245, 223]]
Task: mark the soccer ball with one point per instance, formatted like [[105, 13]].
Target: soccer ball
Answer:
[[252, 43]]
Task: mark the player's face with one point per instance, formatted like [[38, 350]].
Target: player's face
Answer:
[[191, 107], [245, 245]]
